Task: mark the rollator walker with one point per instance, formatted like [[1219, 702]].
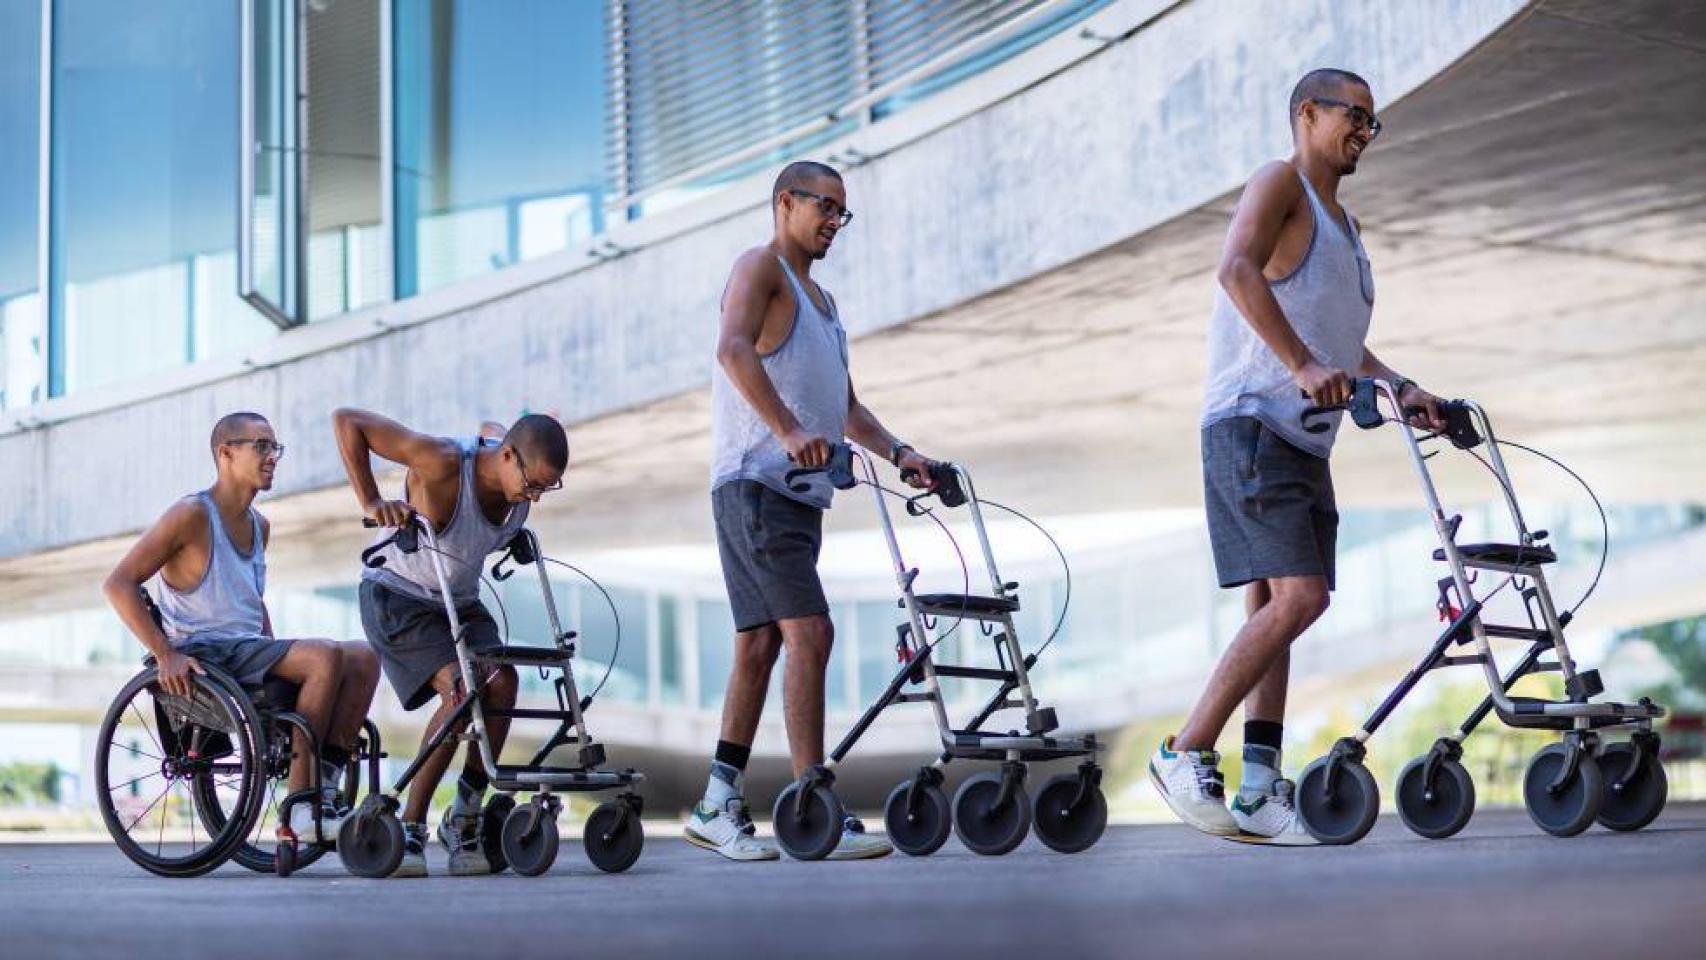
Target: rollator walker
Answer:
[[1568, 784], [991, 811], [522, 837]]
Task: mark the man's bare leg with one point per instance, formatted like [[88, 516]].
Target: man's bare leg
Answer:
[[447, 684], [313, 666], [1267, 700], [807, 641], [749, 682], [358, 677], [497, 692], [1294, 603]]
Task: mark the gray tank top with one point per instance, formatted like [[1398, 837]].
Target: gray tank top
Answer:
[[226, 603], [809, 370], [1328, 299], [467, 540]]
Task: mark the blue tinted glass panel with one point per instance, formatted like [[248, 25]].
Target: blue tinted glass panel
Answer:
[[23, 334]]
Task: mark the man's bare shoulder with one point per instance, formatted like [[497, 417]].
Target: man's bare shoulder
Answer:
[[757, 265], [184, 521], [1275, 177]]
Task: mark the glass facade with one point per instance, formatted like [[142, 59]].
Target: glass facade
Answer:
[[142, 256], [499, 134], [216, 171], [23, 333]]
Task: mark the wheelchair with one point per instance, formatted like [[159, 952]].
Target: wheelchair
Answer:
[[185, 784]]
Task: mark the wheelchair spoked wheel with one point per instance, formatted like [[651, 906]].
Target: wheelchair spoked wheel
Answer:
[[1571, 808], [918, 824], [1439, 809], [613, 836], [152, 751], [1635, 787], [809, 831], [1064, 822], [986, 825], [530, 838], [260, 849]]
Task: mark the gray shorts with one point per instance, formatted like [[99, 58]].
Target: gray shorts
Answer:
[[769, 545], [1270, 505], [412, 638], [246, 659]]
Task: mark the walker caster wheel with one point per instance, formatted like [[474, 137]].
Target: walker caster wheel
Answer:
[[613, 837], [986, 822], [370, 843], [530, 838], [492, 830], [1439, 809], [1346, 812], [1569, 808], [1635, 787], [918, 819], [1070, 813], [807, 816]]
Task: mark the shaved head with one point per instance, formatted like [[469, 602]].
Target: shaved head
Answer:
[[233, 426], [801, 175], [541, 440], [1328, 82]]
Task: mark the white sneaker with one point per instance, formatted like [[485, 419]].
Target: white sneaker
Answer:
[[728, 831], [413, 863], [856, 844], [1271, 818], [460, 835], [302, 822], [1190, 783]]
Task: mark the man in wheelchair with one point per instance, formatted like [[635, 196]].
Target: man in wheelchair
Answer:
[[209, 552]]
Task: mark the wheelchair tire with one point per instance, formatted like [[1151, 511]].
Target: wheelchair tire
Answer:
[[176, 741], [371, 842]]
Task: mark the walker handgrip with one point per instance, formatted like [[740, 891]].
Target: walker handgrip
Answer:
[[406, 538], [1363, 406], [839, 468], [944, 483]]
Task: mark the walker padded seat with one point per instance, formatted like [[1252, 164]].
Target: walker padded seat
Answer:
[[969, 603], [518, 656], [1513, 554]]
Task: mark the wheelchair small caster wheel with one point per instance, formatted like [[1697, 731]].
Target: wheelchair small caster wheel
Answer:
[[1438, 809], [1346, 812], [987, 822], [613, 836], [284, 857], [1069, 812], [530, 838], [370, 843], [1635, 787], [918, 819], [492, 830], [808, 816], [1566, 809]]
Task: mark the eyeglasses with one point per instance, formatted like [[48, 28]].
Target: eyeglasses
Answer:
[[268, 449], [527, 485], [1362, 118], [828, 207]]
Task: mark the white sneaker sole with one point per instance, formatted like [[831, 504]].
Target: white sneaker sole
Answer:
[[408, 871], [1215, 829], [704, 843], [867, 853]]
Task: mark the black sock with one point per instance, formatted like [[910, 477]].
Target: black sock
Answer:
[[475, 781], [1263, 733], [336, 756], [733, 754]]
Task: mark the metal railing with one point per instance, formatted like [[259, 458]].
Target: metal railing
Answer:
[[700, 90]]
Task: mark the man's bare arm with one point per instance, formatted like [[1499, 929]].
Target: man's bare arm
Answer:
[[1250, 243], [867, 431], [123, 586], [755, 281], [360, 432]]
